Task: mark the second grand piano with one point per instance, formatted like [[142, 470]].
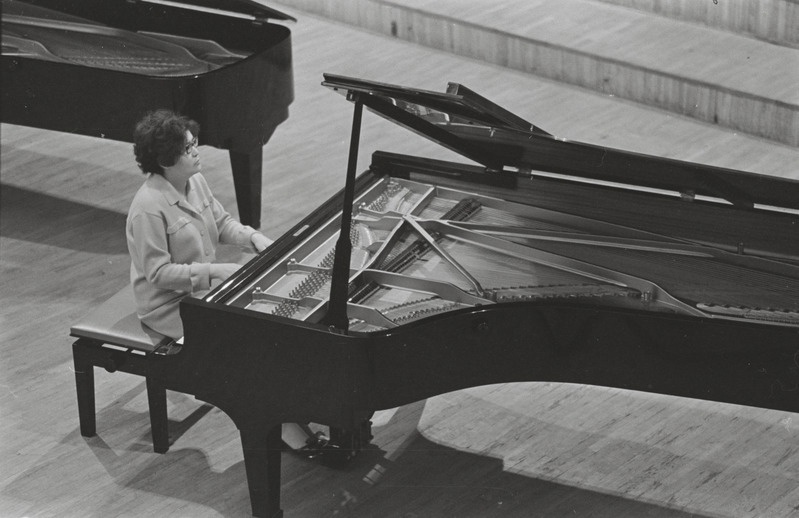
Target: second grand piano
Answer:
[[94, 67], [551, 261]]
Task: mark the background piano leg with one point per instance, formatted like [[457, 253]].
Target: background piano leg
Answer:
[[247, 181], [262, 449]]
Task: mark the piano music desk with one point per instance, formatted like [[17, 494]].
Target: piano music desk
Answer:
[[112, 337]]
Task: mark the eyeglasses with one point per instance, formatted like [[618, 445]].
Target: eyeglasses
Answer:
[[191, 145]]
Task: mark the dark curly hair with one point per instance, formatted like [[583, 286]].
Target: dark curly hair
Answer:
[[159, 139]]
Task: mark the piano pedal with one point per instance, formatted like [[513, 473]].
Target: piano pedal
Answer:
[[345, 445], [335, 456], [302, 441]]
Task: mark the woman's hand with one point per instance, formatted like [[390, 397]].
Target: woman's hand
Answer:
[[221, 271], [260, 241]]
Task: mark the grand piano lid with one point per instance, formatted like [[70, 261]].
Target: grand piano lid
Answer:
[[50, 30], [251, 8], [463, 121]]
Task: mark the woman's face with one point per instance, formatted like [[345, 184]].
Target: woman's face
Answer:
[[188, 163]]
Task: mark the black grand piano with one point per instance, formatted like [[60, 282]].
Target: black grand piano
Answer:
[[551, 260], [94, 67]]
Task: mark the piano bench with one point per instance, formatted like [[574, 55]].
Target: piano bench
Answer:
[[112, 337]]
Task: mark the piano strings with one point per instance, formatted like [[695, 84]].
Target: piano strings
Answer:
[[412, 243]]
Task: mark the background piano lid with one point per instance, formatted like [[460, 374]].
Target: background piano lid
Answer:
[[463, 121], [254, 8]]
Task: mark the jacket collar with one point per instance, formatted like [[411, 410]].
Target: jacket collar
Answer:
[[160, 184], [170, 194]]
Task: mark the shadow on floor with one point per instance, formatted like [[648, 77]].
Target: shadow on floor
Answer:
[[40, 218]]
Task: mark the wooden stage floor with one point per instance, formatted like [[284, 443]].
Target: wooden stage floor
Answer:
[[520, 450]]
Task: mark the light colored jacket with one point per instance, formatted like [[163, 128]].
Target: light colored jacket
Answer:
[[172, 241]]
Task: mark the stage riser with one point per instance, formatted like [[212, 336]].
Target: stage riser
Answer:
[[776, 21], [648, 71]]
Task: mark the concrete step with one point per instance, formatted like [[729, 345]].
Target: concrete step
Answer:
[[715, 76], [775, 21]]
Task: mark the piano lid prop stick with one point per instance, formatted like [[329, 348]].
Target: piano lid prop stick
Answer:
[[336, 316]]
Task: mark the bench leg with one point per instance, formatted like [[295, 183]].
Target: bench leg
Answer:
[[159, 423], [84, 385]]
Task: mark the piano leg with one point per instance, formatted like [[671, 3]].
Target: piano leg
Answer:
[[262, 450], [247, 181]]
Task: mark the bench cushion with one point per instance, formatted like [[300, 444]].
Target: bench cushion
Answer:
[[116, 322]]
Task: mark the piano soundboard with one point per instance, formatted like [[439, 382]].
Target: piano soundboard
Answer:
[[420, 249]]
